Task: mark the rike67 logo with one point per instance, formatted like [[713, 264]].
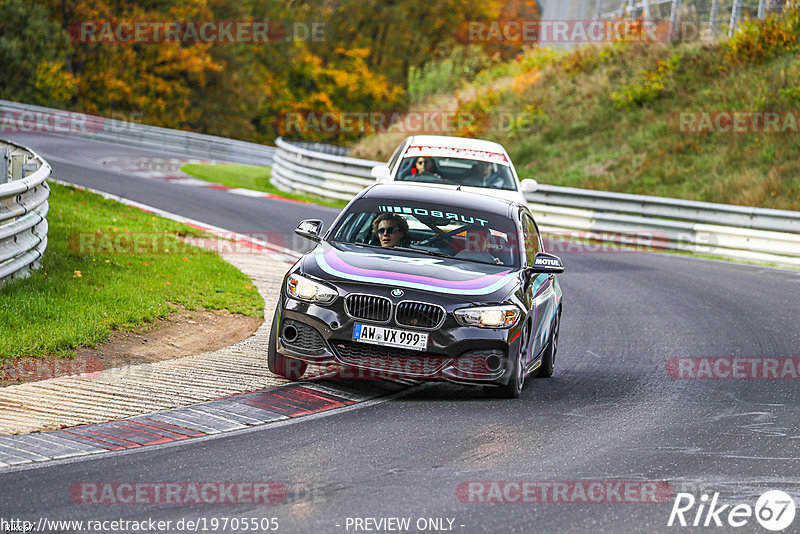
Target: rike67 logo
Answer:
[[774, 510]]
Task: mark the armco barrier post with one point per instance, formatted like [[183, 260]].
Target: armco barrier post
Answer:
[[712, 21], [4, 178], [735, 8], [599, 10], [16, 166], [673, 18], [28, 168]]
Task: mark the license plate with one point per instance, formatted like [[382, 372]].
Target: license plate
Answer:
[[390, 337]]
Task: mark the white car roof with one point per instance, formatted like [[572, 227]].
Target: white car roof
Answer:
[[457, 147]]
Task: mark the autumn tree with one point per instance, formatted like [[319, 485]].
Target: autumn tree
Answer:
[[32, 55], [236, 89]]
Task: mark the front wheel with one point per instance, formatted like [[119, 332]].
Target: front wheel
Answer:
[[513, 389], [281, 365]]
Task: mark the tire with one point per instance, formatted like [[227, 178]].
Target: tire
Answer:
[[281, 365], [550, 353], [513, 389]]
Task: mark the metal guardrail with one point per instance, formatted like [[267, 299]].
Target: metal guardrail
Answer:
[[24, 118], [300, 170], [23, 210], [668, 208], [740, 232]]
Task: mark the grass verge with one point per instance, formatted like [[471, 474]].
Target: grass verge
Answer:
[[611, 117], [110, 266], [247, 177]]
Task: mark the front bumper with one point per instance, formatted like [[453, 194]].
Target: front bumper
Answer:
[[455, 353]]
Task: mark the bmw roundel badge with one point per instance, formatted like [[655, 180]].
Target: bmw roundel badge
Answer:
[[397, 292]]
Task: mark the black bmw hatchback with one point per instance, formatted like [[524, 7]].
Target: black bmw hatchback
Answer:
[[422, 282]]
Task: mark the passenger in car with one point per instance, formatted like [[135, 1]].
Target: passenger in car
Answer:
[[390, 229], [425, 166], [484, 172]]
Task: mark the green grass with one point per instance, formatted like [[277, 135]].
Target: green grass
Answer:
[[587, 136], [83, 291], [247, 177], [605, 117]]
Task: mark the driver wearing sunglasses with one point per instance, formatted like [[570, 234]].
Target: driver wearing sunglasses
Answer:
[[423, 165], [390, 228]]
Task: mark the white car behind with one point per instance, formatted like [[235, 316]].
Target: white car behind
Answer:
[[456, 162]]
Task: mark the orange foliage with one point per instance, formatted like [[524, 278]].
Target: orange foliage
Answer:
[[757, 40]]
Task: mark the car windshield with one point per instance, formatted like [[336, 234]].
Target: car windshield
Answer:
[[456, 171], [430, 229]]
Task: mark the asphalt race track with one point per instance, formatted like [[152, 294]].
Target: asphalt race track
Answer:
[[612, 413], [81, 162]]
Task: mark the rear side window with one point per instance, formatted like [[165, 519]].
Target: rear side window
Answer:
[[531, 235], [396, 155]]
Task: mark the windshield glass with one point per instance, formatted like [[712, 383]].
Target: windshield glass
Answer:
[[431, 229], [456, 171]]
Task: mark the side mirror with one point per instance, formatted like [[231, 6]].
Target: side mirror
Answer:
[[546, 263], [381, 173], [310, 229], [529, 185]]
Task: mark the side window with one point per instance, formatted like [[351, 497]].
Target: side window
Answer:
[[396, 154], [356, 228], [531, 238]]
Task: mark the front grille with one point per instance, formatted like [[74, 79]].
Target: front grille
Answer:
[[419, 314], [389, 360], [369, 307], [308, 339]]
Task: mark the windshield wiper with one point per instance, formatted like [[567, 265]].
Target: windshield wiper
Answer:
[[404, 249]]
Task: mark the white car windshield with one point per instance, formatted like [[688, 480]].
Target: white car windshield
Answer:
[[456, 171]]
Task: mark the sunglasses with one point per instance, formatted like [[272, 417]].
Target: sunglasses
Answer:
[[388, 231], [421, 162]]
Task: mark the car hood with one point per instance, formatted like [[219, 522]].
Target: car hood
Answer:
[[475, 281]]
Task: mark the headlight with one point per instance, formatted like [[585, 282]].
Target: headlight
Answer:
[[302, 288], [489, 316]]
